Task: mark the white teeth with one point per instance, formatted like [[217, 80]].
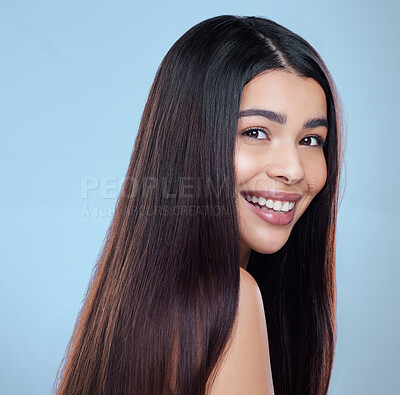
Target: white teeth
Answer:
[[270, 203], [276, 205], [285, 206], [262, 201]]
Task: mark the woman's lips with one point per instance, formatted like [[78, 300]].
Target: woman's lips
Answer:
[[269, 215], [275, 195]]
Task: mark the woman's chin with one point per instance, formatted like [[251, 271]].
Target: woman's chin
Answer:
[[268, 246], [269, 250]]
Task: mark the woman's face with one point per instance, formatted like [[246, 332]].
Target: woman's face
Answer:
[[279, 160]]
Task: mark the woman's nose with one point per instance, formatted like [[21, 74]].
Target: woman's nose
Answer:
[[286, 167]]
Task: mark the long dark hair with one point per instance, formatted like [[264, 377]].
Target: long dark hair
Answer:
[[163, 296]]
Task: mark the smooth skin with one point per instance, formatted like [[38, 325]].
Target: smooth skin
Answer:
[[281, 156], [246, 369], [284, 157]]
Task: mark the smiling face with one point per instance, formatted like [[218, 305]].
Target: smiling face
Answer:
[[279, 159]]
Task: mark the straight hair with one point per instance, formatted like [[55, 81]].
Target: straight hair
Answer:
[[162, 300]]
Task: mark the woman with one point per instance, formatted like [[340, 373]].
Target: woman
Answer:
[[231, 190]]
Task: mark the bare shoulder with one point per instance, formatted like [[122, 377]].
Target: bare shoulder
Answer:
[[246, 367]]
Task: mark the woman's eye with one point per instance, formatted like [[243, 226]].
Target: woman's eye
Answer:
[[312, 141], [256, 133]]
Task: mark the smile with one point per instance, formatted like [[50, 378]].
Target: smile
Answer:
[[276, 205], [276, 208]]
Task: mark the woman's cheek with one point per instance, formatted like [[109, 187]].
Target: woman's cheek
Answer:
[[246, 165], [316, 175]]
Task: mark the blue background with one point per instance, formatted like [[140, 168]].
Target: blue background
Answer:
[[74, 77]]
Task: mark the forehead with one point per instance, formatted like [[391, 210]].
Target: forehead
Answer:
[[284, 92]]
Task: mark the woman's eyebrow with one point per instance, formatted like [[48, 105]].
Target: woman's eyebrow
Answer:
[[281, 118], [314, 123], [271, 115]]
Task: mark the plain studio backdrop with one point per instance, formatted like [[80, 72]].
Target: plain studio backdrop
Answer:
[[74, 77]]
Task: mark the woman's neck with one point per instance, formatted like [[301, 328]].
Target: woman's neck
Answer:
[[245, 251]]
